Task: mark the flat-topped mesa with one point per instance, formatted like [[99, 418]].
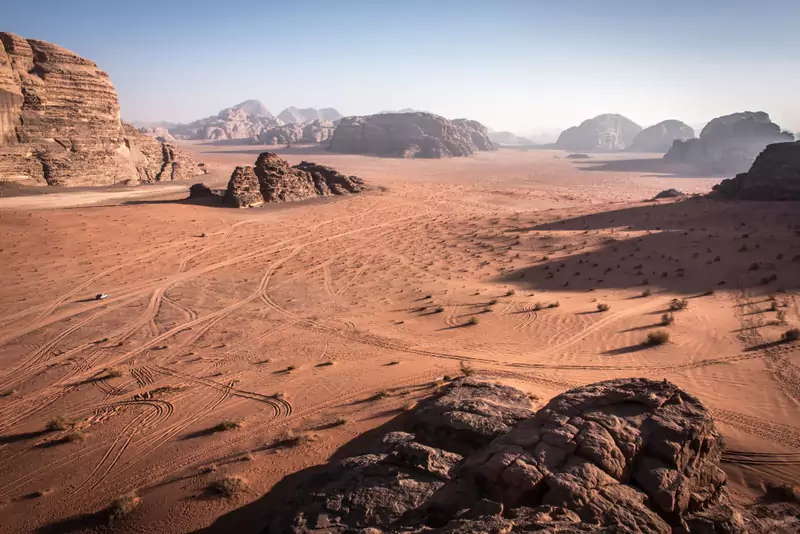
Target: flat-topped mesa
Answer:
[[60, 123], [409, 135], [273, 180]]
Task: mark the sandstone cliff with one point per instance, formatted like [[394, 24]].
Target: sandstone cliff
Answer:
[[775, 175], [627, 456], [659, 137], [409, 135], [246, 120], [294, 115], [728, 144], [273, 180], [60, 124], [316, 131], [605, 133]]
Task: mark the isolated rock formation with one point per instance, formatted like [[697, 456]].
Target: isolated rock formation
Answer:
[[729, 144], [200, 190], [605, 133], [273, 180], [408, 135], [669, 193], [316, 131], [246, 120], [293, 115], [659, 137], [628, 456], [775, 175], [60, 124]]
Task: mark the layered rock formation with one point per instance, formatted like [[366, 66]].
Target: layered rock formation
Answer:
[[728, 144], [60, 124], [659, 137], [775, 175], [246, 120], [273, 180], [605, 133], [292, 115], [629, 456], [409, 135], [316, 131]]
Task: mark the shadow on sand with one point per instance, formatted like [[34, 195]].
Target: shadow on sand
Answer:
[[655, 167]]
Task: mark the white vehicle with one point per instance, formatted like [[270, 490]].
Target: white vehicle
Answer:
[[100, 296]]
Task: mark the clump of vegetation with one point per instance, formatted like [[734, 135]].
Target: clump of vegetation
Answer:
[[472, 321], [538, 306], [492, 302], [603, 307], [57, 423], [510, 292], [646, 293], [678, 304], [555, 304], [793, 334], [325, 364], [467, 369], [438, 309], [226, 425], [338, 422], [773, 305], [780, 317], [659, 337], [123, 506], [229, 486], [210, 468], [667, 319], [75, 436], [113, 373], [290, 368], [382, 394]]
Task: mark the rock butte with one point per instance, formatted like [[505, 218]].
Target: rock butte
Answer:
[[409, 135], [604, 133], [775, 175], [626, 455], [60, 124], [661, 136], [273, 180]]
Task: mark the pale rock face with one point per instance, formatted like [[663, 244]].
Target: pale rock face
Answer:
[[409, 135], [60, 125], [659, 137], [605, 133], [316, 131], [294, 115]]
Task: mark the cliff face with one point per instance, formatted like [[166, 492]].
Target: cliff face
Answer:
[[728, 144], [409, 135], [605, 133], [775, 175], [60, 124]]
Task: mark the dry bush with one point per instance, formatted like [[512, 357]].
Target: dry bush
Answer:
[[123, 506], [57, 423], [667, 319], [659, 337], [603, 307], [646, 293], [793, 334], [678, 304], [228, 424], [472, 321], [229, 486], [467, 369]]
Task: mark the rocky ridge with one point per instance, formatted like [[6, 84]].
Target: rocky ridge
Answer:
[[316, 131], [728, 144], [271, 179], [60, 123], [605, 133], [661, 136], [409, 135], [774, 175], [627, 455], [292, 115]]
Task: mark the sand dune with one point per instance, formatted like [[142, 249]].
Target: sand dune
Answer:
[[326, 318]]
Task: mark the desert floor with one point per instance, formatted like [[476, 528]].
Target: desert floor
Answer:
[[323, 319]]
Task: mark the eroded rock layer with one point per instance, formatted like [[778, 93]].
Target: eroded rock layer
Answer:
[[630, 455], [60, 124], [273, 180], [409, 135]]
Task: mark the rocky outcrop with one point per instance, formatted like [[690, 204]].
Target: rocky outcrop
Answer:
[[158, 133], [317, 131], [775, 175], [200, 190], [508, 138], [292, 115], [605, 133], [628, 456], [659, 137], [408, 135], [60, 124], [478, 133], [669, 193], [273, 180], [246, 120], [728, 144]]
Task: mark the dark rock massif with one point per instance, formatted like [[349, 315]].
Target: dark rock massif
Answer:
[[605, 133], [273, 180], [627, 456], [60, 123], [659, 137], [775, 175], [728, 144], [409, 135]]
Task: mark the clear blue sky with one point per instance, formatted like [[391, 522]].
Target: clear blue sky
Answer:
[[517, 65]]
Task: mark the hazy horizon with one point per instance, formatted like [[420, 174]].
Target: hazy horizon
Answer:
[[512, 65]]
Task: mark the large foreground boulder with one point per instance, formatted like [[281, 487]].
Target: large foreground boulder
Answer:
[[409, 135], [660, 137], [630, 456], [728, 144], [60, 123], [605, 133], [273, 180], [775, 175]]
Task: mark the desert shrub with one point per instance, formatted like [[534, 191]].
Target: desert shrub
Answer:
[[123, 506], [382, 394], [678, 304], [646, 293], [780, 317], [113, 373], [667, 319], [492, 302], [76, 436], [793, 334], [773, 305], [538, 306], [229, 486], [603, 307], [486, 309], [226, 425], [467, 369], [659, 337], [555, 304], [438, 309], [473, 321], [510, 292], [57, 423]]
